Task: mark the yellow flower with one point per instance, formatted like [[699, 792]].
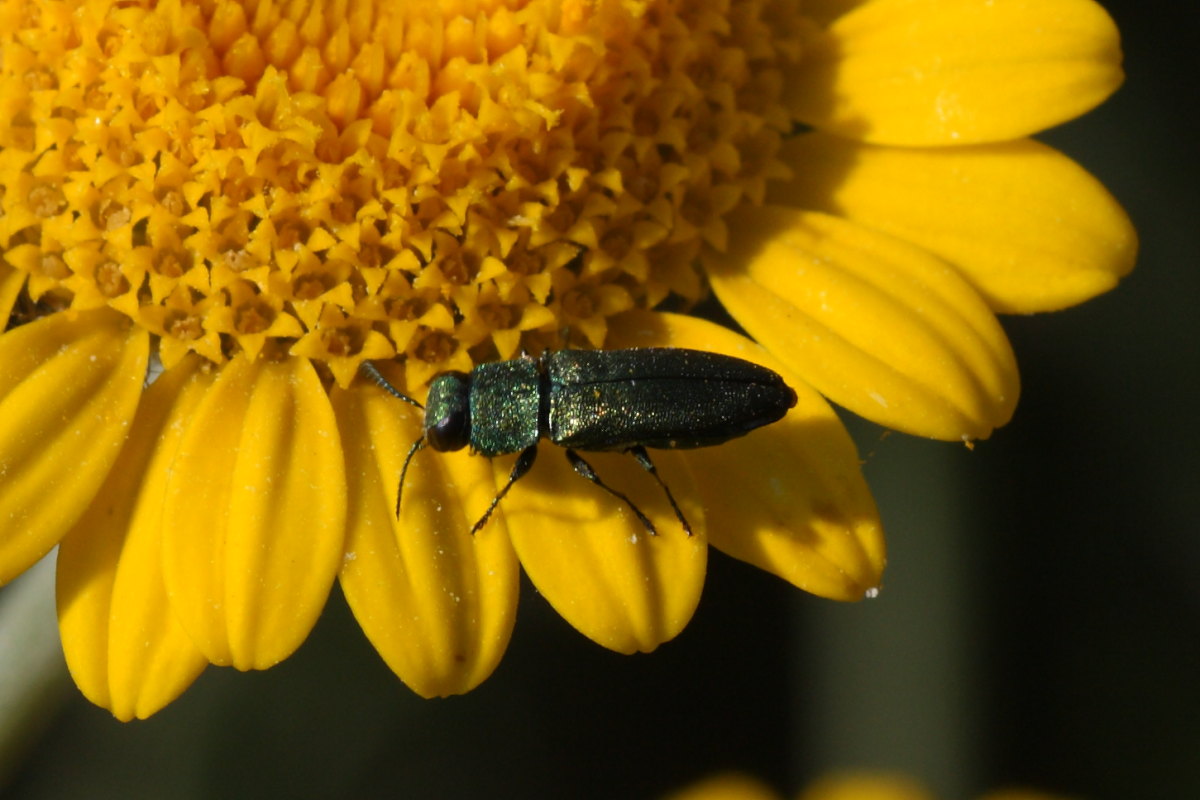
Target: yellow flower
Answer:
[[262, 195], [864, 786]]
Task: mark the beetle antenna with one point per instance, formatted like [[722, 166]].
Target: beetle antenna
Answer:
[[373, 374], [412, 451], [376, 377]]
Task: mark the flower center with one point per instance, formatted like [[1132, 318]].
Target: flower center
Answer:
[[335, 173]]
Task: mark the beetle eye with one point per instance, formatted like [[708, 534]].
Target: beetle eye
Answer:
[[451, 432], [448, 412]]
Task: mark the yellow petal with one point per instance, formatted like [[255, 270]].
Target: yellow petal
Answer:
[[790, 498], [729, 786], [873, 323], [436, 602], [255, 513], [593, 560], [1027, 226], [11, 282], [69, 386], [882, 786], [922, 72], [124, 647]]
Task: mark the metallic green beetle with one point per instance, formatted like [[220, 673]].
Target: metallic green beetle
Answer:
[[622, 400]]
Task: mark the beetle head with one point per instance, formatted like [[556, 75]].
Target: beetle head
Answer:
[[448, 412]]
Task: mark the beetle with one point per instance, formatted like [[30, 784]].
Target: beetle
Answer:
[[595, 400]]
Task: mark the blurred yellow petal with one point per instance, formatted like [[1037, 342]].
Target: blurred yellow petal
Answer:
[[69, 386], [255, 513], [865, 787], [791, 498], [592, 559], [436, 602], [730, 786], [873, 323], [123, 645], [1027, 226], [926, 72]]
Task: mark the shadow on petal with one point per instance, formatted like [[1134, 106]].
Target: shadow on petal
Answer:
[[789, 498], [594, 561], [437, 602]]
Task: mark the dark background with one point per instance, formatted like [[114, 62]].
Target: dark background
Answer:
[[1040, 623]]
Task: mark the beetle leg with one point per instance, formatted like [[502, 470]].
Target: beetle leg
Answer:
[[643, 458], [585, 469], [522, 466]]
